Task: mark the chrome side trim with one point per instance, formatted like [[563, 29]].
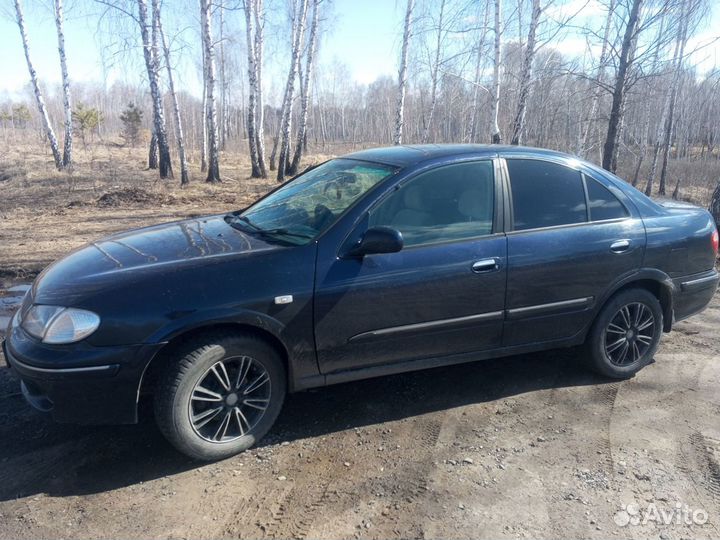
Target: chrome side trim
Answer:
[[699, 283], [489, 316], [539, 308], [88, 369]]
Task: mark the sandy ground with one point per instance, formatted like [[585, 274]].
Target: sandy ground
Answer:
[[527, 446]]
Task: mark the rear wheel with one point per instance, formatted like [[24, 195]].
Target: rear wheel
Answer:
[[625, 334], [221, 396]]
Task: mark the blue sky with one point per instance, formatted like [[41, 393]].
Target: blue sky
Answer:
[[363, 34]]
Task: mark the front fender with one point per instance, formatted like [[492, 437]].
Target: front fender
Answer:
[[213, 317]]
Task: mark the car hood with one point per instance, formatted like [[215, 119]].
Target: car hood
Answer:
[[132, 254]]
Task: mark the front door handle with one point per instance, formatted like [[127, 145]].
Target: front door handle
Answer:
[[485, 265], [620, 246]]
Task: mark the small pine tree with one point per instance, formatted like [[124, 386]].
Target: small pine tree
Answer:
[[20, 115], [86, 120], [131, 118]]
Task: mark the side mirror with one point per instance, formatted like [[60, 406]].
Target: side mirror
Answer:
[[377, 240]]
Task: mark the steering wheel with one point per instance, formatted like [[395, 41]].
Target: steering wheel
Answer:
[[323, 216]]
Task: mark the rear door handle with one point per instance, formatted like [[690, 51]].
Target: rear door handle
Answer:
[[485, 265], [620, 246]]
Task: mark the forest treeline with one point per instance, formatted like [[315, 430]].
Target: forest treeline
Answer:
[[613, 81]]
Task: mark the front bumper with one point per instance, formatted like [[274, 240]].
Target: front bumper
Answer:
[[79, 383]]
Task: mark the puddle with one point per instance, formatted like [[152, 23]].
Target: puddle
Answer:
[[10, 300]]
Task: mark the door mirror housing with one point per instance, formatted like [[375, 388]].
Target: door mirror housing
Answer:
[[377, 240]]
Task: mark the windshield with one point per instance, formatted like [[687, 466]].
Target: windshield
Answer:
[[308, 205]]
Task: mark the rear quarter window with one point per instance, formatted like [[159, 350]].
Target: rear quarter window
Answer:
[[603, 204]]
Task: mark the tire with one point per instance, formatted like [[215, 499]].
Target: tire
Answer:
[[213, 377], [622, 339]]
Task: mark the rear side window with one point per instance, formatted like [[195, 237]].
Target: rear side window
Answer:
[[545, 194], [603, 204]]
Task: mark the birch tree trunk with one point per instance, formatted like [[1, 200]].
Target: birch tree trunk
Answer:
[[209, 51], [611, 138], [526, 74], [250, 8], [665, 126], [472, 128], [305, 102], [153, 159], [150, 53], [223, 80], [402, 75], [42, 109], [434, 75], [497, 65], [676, 88], [286, 124], [259, 16], [184, 175], [204, 146], [67, 102]]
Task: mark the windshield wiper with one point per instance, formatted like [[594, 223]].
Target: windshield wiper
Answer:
[[261, 231]]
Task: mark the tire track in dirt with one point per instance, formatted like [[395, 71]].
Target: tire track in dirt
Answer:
[[706, 457], [325, 487]]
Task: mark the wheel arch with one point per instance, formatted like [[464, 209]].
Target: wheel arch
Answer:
[[164, 356], [654, 281]]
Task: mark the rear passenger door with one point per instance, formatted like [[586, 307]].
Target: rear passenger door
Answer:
[[570, 237]]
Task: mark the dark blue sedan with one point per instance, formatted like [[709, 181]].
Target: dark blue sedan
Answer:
[[382, 261]]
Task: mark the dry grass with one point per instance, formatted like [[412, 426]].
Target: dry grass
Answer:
[[45, 213]]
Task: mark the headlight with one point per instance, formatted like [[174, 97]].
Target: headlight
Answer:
[[53, 324]]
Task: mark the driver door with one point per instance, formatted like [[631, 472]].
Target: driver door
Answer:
[[442, 294]]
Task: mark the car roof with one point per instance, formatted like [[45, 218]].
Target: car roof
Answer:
[[405, 155]]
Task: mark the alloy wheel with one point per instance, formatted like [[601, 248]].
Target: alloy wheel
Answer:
[[229, 399], [629, 334]]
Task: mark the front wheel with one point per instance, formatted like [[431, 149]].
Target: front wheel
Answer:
[[625, 334], [220, 395]]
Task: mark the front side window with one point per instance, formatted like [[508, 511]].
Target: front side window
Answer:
[[603, 204], [448, 203], [545, 194], [308, 205]]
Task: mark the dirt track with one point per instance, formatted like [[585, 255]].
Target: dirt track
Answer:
[[528, 446]]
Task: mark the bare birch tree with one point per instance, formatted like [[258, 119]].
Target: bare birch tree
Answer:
[[42, 109], [402, 74], [150, 54], [599, 79], [209, 52], [434, 73], [526, 72], [305, 101], [618, 95], [67, 102], [300, 12], [256, 164], [179, 136], [259, 17], [497, 67]]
